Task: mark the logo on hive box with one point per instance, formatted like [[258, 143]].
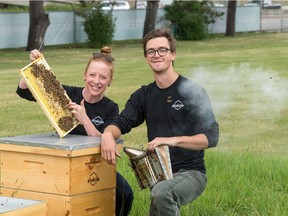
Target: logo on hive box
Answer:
[[93, 179]]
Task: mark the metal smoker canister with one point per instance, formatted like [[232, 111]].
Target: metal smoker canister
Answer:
[[147, 167]]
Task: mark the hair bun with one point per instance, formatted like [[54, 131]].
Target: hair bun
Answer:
[[106, 50]]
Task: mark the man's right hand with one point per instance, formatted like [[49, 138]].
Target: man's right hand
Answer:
[[108, 148]]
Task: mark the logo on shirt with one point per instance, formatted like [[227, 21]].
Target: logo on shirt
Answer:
[[97, 121], [178, 105]]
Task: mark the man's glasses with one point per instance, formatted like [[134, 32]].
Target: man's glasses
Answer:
[[100, 55], [152, 52]]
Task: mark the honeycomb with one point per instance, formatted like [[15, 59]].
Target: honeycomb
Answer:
[[50, 95]]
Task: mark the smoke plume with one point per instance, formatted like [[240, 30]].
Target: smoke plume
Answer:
[[262, 89]]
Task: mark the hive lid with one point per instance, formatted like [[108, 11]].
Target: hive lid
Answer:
[[11, 204], [52, 141]]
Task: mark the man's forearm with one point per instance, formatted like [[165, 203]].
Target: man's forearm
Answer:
[[114, 130]]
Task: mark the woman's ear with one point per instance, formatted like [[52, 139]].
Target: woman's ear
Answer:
[[110, 82], [84, 76]]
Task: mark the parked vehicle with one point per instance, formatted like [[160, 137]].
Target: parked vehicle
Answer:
[[218, 5], [266, 4], [115, 5], [141, 4], [271, 5]]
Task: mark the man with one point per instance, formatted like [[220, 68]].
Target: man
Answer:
[[178, 113]]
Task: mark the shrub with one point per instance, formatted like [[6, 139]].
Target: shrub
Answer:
[[98, 24], [189, 19]]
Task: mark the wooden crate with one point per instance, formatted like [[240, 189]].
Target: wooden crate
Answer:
[[54, 174], [11, 206], [68, 173], [97, 203]]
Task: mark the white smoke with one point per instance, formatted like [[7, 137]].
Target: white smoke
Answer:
[[262, 89]]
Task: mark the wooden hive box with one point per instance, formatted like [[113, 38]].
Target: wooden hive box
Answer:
[[10, 206], [97, 203], [69, 172]]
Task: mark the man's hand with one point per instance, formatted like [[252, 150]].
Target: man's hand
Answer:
[[108, 148], [170, 141], [196, 142]]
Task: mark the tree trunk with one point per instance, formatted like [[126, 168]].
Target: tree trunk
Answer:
[[151, 15], [231, 18], [39, 22]]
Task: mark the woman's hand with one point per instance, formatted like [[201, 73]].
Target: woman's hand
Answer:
[[78, 111], [34, 54]]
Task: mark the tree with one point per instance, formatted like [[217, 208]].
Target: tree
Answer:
[[189, 19], [39, 22], [98, 24], [150, 18], [231, 18]]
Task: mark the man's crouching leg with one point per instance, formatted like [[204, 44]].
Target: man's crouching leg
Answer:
[[169, 195]]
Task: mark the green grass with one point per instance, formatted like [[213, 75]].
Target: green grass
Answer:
[[247, 80]]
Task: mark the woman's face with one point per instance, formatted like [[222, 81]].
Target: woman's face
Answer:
[[97, 78]]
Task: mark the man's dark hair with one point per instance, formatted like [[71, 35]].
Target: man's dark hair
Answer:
[[162, 32]]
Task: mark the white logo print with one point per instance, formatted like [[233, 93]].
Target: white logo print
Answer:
[[178, 105], [97, 120]]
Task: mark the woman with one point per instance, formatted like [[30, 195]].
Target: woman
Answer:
[[93, 110]]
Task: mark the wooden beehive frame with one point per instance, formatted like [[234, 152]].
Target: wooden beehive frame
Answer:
[[46, 104]]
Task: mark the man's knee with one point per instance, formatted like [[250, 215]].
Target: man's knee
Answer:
[[160, 192]]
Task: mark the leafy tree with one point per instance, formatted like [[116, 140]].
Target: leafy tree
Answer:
[[98, 24], [189, 19]]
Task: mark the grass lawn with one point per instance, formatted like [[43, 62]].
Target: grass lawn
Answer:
[[247, 79]]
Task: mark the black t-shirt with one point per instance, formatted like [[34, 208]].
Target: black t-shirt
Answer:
[[100, 113], [183, 109]]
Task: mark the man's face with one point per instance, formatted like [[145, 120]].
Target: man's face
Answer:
[[158, 54]]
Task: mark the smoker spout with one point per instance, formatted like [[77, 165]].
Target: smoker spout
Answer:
[[132, 152]]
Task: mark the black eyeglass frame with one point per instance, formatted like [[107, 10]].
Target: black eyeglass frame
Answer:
[[154, 52], [101, 55]]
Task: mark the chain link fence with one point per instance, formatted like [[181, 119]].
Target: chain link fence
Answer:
[[274, 20]]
